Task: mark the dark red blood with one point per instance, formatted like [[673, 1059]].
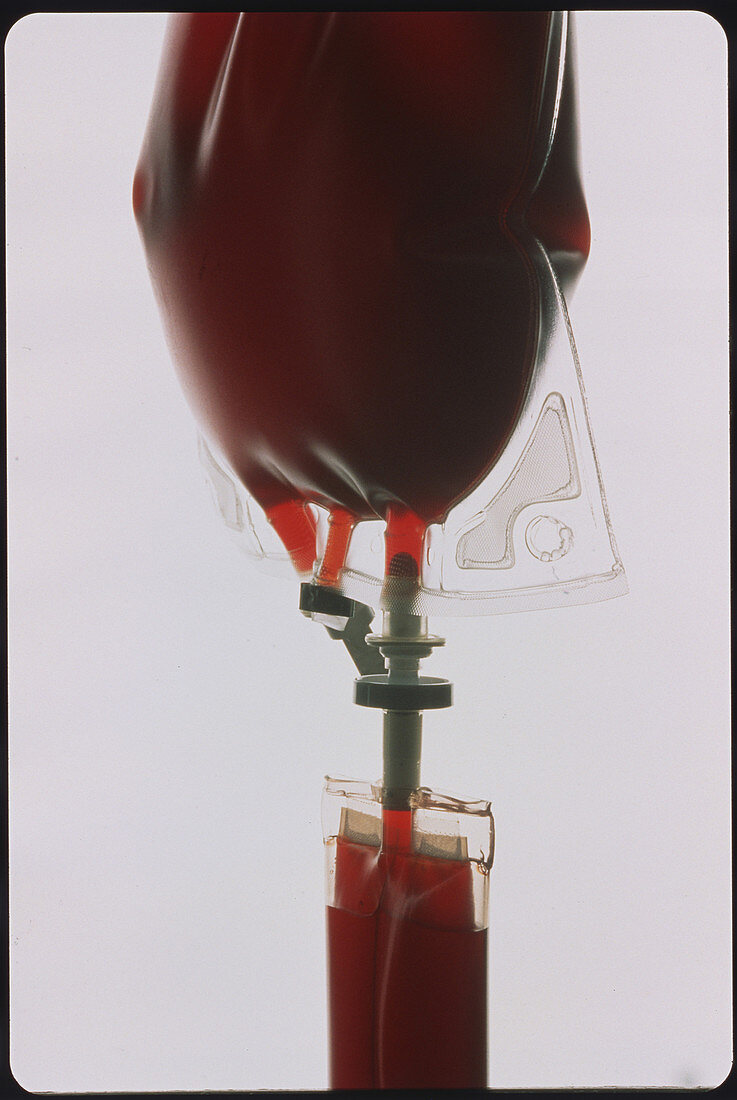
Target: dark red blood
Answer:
[[407, 984], [336, 211]]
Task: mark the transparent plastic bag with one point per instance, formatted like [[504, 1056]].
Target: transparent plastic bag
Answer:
[[360, 229]]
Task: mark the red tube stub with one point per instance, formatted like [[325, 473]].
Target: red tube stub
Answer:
[[295, 526]]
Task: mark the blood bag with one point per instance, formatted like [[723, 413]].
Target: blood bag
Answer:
[[361, 228]]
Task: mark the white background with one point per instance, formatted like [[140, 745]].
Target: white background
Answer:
[[172, 714]]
